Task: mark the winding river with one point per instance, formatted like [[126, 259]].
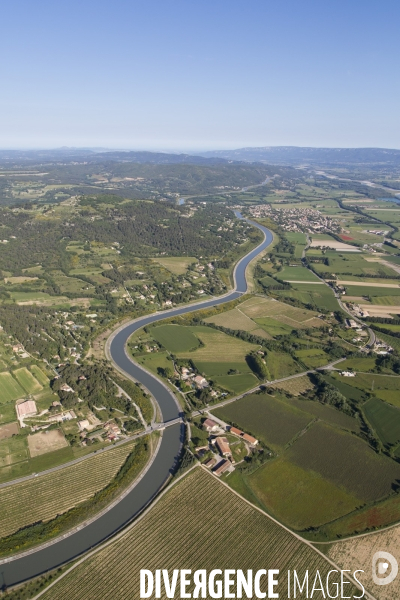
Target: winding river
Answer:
[[62, 550]]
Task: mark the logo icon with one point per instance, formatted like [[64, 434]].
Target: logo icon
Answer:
[[384, 568]]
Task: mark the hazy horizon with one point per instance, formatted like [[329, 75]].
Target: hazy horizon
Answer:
[[200, 76]]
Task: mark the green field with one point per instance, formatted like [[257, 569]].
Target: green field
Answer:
[[281, 365], [237, 383], [380, 514], [327, 413], [220, 528], [39, 375], [359, 364], [300, 241], [218, 347], [9, 388], [374, 292], [266, 315], [385, 419], [385, 387], [13, 450], [27, 380], [154, 361], [175, 338], [346, 461], [348, 264], [233, 319], [313, 357], [178, 265], [321, 297], [297, 497], [297, 274], [266, 417], [7, 412], [274, 327]]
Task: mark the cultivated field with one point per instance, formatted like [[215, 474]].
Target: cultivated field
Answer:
[[178, 265], [237, 383], [175, 338], [266, 417], [45, 497], [46, 441], [357, 554], [266, 315], [233, 319], [7, 412], [9, 388], [385, 419], [217, 528], [385, 387], [319, 296], [346, 461], [298, 497], [296, 386], [297, 274], [7, 431], [313, 357], [39, 375], [327, 413], [27, 380], [334, 244], [218, 347]]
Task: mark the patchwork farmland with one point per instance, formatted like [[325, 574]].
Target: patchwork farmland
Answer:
[[249, 540], [316, 452]]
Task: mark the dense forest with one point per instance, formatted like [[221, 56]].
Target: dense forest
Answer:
[[140, 228]]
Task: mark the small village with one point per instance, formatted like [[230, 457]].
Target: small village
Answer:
[[304, 220]]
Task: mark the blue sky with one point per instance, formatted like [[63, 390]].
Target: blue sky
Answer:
[[180, 74]]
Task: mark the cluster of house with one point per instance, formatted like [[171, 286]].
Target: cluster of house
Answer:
[[112, 430], [28, 409], [308, 220], [190, 376], [382, 348], [222, 460]]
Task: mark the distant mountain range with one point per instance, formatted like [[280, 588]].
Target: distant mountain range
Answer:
[[97, 155], [299, 155], [279, 155]]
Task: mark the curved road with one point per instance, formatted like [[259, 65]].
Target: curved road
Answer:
[[20, 568]]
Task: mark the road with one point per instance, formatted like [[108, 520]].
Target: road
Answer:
[[328, 367], [19, 568]]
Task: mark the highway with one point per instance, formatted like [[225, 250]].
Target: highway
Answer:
[[19, 568]]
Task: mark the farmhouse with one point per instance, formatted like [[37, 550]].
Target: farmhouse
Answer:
[[223, 446], [236, 431], [352, 324], [223, 466], [210, 463], [84, 424], [200, 381], [26, 409], [66, 388], [347, 374], [210, 425], [250, 439]]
